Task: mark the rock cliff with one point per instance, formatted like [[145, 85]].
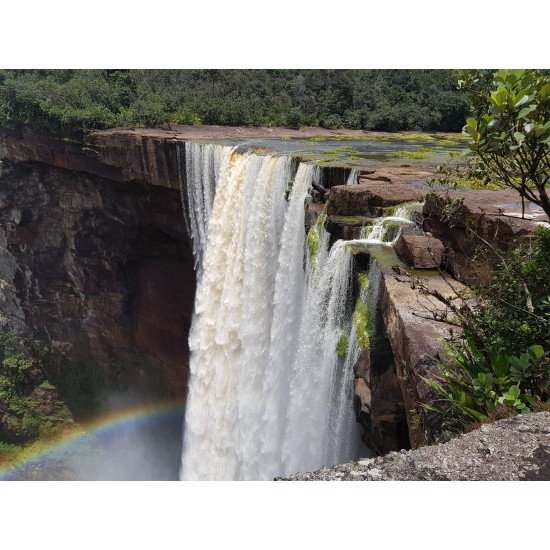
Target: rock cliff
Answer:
[[96, 265]]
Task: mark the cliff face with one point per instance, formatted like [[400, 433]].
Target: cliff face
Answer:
[[96, 265]]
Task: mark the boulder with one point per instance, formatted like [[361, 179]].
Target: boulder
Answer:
[[421, 251]]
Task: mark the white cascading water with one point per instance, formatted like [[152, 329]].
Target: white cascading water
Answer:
[[201, 164], [386, 230], [319, 422], [264, 334], [352, 178]]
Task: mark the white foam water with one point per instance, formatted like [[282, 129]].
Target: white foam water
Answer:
[[266, 379]]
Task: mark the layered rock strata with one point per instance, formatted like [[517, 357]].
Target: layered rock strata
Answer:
[[101, 273]]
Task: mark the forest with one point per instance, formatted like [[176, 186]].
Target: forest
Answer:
[[74, 100]]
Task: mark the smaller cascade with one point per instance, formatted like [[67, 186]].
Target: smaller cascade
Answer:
[[326, 311], [387, 229], [352, 178], [344, 433]]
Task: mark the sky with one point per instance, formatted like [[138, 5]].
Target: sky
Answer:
[[279, 34]]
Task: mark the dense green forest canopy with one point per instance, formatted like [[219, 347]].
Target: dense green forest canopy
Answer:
[[72, 100]]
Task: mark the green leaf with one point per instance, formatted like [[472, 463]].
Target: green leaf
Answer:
[[514, 392], [522, 101], [519, 137], [526, 111], [501, 365], [545, 91], [476, 414], [537, 351]]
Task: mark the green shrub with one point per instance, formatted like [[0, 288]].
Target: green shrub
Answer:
[[501, 358], [29, 410], [472, 386]]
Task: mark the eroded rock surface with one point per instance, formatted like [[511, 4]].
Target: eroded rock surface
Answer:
[[493, 218], [369, 198], [513, 449], [101, 272]]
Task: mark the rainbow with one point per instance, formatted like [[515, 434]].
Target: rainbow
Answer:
[[105, 425]]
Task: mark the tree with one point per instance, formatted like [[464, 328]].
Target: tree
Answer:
[[510, 132]]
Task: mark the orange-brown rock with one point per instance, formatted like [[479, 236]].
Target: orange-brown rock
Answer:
[[421, 251], [369, 199]]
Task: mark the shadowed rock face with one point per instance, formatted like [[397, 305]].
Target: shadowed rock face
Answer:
[[513, 449], [103, 273]]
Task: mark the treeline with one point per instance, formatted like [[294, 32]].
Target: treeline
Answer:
[[391, 100]]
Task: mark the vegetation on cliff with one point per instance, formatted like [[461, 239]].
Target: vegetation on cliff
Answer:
[[30, 406], [499, 363], [58, 101], [511, 133]]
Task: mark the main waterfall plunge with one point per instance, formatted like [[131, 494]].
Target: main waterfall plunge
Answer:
[[273, 342]]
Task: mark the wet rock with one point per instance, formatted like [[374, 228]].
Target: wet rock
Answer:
[[346, 227]]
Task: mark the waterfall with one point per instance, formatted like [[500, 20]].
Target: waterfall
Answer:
[[387, 229], [201, 164], [265, 372], [352, 178], [320, 413]]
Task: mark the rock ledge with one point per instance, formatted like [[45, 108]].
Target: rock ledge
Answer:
[[513, 449]]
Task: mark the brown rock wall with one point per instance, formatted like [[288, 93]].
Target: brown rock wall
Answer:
[[100, 271], [484, 218]]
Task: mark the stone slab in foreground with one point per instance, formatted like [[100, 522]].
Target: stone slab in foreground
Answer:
[[513, 449]]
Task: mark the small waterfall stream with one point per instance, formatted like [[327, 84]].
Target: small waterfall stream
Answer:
[[387, 229]]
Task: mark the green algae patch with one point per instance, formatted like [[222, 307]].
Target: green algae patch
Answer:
[[414, 137], [363, 280], [342, 346], [313, 239], [358, 138], [352, 220], [421, 154], [331, 159], [385, 257], [313, 244], [337, 151], [361, 321], [389, 211]]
